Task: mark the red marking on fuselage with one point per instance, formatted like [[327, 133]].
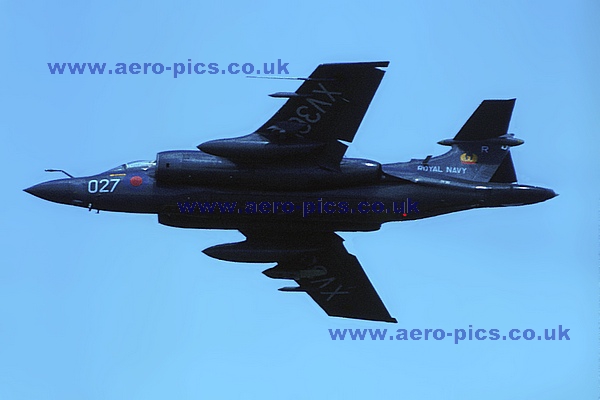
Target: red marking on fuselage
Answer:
[[136, 180]]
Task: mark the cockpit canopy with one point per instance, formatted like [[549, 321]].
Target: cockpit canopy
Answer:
[[140, 164]]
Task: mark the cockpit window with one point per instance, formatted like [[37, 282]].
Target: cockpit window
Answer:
[[120, 168], [134, 164], [140, 164]]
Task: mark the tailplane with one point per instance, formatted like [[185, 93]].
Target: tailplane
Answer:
[[479, 152]]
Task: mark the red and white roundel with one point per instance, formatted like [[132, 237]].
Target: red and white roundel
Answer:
[[136, 180]]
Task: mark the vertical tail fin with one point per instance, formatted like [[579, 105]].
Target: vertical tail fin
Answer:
[[480, 150], [489, 121]]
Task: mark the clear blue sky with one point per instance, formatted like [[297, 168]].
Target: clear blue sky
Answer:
[[116, 306]]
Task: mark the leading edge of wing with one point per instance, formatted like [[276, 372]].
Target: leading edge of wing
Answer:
[[332, 277]]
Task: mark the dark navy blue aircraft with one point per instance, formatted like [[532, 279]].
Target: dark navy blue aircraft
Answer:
[[288, 189]]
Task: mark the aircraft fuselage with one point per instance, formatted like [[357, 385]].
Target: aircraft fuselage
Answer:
[[360, 204]]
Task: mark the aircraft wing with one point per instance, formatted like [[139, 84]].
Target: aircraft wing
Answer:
[[331, 276], [329, 106]]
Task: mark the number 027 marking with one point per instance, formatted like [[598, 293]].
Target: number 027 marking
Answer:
[[95, 186]]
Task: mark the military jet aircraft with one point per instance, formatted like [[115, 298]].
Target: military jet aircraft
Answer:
[[288, 189]]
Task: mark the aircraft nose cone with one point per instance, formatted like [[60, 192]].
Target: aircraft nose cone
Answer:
[[59, 191]]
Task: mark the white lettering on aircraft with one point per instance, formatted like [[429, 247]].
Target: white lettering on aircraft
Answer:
[[456, 170], [429, 168], [330, 294], [335, 292], [437, 168], [323, 284], [102, 186]]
